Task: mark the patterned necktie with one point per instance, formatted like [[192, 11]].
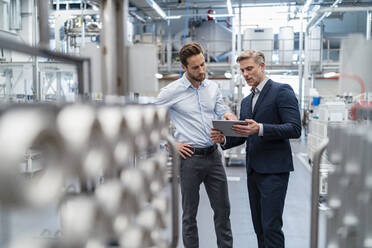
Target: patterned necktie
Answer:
[[255, 93]]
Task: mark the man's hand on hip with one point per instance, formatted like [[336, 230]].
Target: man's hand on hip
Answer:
[[217, 136], [252, 127], [184, 150]]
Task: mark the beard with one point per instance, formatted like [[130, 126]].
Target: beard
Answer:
[[200, 78]]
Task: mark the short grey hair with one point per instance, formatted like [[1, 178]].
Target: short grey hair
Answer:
[[258, 56]]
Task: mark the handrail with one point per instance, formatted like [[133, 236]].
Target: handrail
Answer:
[[320, 14], [174, 181], [82, 64], [315, 194]]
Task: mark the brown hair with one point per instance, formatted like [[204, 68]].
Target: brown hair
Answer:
[[189, 50], [258, 56]]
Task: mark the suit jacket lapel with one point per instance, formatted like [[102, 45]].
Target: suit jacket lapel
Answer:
[[265, 89]]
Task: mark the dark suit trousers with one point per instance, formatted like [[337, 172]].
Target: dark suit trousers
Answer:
[[207, 169], [266, 196]]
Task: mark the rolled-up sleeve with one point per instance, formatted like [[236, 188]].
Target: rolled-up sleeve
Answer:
[[220, 107]]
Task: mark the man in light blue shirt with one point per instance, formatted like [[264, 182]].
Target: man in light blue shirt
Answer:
[[193, 103]]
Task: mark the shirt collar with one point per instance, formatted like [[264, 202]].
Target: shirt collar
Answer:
[[260, 86], [185, 81]]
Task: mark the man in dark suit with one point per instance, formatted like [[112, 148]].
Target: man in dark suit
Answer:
[[272, 118]]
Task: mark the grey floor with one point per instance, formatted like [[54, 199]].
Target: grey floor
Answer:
[[296, 213]]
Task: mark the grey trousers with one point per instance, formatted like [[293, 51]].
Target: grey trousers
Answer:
[[207, 169]]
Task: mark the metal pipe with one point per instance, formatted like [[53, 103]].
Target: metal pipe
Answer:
[[328, 50], [315, 194], [234, 72], [15, 15], [169, 45], [108, 47], [307, 66], [59, 86], [239, 50], [8, 88], [115, 56], [36, 92], [319, 14], [300, 64], [368, 27], [306, 6], [175, 175], [321, 49], [83, 8], [124, 69], [43, 15]]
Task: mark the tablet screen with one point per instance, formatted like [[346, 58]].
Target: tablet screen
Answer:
[[225, 126]]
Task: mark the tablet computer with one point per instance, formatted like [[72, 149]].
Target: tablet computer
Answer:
[[225, 126]]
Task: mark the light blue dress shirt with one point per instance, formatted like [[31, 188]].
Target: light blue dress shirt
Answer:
[[192, 110]]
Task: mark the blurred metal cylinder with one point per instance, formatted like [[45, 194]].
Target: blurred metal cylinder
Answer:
[[134, 119], [130, 205], [89, 149], [334, 148], [22, 128]]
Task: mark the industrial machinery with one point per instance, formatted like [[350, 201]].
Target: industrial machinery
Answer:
[[339, 145], [100, 163], [126, 186], [349, 220]]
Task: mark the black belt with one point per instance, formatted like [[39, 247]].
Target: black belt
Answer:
[[205, 150]]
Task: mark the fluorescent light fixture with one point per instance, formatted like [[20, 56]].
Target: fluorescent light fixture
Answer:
[[228, 74], [158, 75], [156, 7], [306, 6], [173, 17], [330, 74], [219, 15], [229, 7]]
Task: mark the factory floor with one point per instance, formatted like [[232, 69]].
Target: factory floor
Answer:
[[296, 212], [14, 223]]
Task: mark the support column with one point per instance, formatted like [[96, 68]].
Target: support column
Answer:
[[368, 27], [307, 66], [36, 91], [300, 64], [239, 50], [113, 47], [169, 46]]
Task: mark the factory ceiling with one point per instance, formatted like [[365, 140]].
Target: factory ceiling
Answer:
[[144, 9]]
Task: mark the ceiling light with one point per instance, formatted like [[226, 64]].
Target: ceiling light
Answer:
[[95, 8], [219, 15], [330, 74], [228, 74], [156, 7], [173, 17], [158, 75]]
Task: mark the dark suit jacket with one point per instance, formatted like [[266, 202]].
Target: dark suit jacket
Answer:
[[277, 109]]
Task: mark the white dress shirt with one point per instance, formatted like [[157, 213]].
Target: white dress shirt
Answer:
[[256, 94]]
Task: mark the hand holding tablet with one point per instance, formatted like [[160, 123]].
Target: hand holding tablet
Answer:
[[225, 126]]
